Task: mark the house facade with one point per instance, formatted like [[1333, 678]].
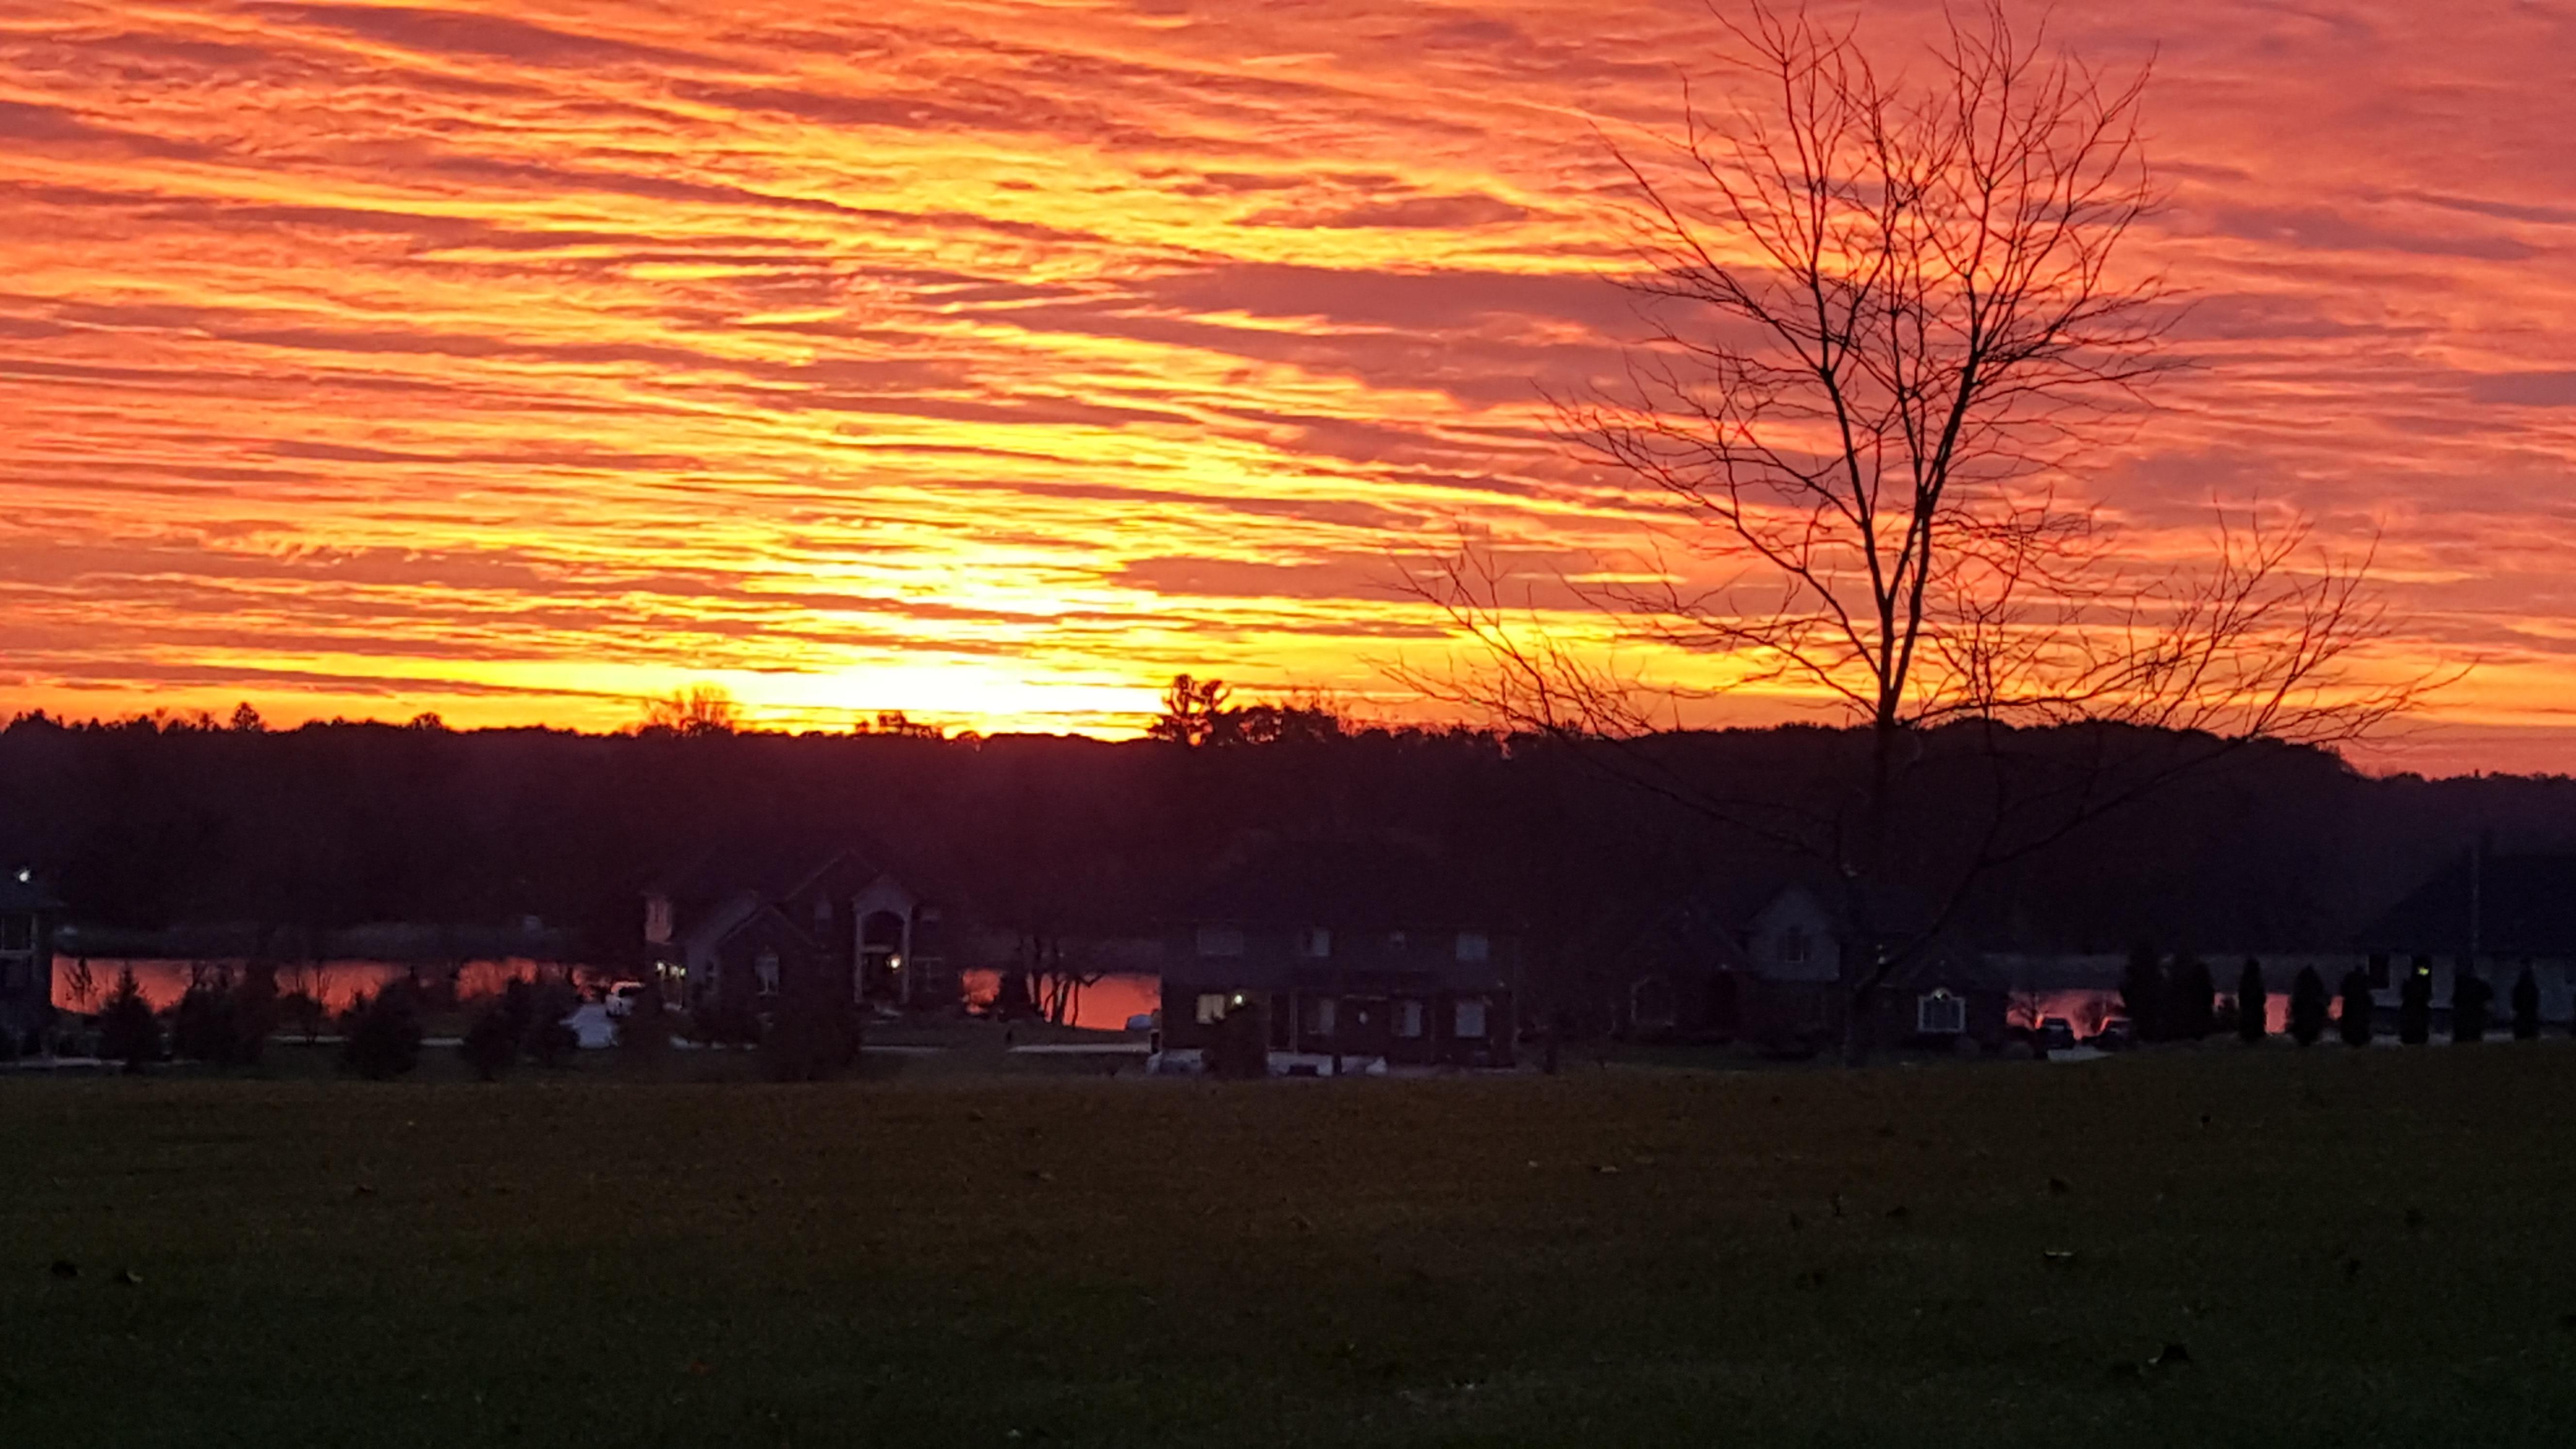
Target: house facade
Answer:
[[1354, 955], [29, 916], [726, 931]]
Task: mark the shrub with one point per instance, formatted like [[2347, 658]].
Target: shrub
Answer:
[[201, 1028], [2415, 1004], [2526, 1006], [382, 1033], [127, 1030], [2358, 1008], [814, 1036], [491, 1044], [2307, 1007], [717, 1022], [2191, 1001], [223, 1023], [644, 1033], [1241, 1051], [2253, 1004], [2142, 992], [2469, 997], [551, 1041]]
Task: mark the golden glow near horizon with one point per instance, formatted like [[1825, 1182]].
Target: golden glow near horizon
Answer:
[[996, 361]]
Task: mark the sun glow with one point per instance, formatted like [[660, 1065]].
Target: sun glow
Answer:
[[518, 361]]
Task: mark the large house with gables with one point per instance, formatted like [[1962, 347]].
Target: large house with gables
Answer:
[[745, 929], [1355, 954]]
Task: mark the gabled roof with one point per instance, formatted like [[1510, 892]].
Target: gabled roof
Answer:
[[2525, 905], [1353, 883], [773, 869]]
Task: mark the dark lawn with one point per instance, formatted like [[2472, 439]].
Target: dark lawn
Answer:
[[2354, 1247]]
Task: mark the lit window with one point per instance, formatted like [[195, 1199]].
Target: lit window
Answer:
[[764, 970], [1212, 1006], [1408, 1018], [1471, 1019], [1220, 941], [1473, 946], [1939, 1013], [1317, 943]]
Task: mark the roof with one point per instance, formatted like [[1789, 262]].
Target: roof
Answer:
[[2525, 905], [1366, 883]]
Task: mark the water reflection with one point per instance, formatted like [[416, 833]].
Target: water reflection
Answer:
[[82, 984]]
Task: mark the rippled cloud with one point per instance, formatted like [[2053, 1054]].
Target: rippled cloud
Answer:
[[996, 360]]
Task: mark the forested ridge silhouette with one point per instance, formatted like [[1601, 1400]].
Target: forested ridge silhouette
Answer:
[[146, 825]]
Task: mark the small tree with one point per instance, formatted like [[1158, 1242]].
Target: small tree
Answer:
[[2359, 1007], [2526, 1006], [2415, 1004], [2252, 1003], [814, 1036], [1241, 1050], [491, 1044], [127, 1030], [382, 1032], [2191, 1000], [2142, 991], [2469, 997], [644, 1034], [551, 1042], [201, 1026], [2307, 1007]]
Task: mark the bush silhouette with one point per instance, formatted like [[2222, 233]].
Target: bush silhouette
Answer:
[[644, 1033], [2415, 1004], [2307, 1007], [491, 1044], [814, 1035], [2142, 992], [2526, 1006], [2253, 1004], [2359, 1007], [128, 1032], [2469, 997], [382, 1033], [550, 1040], [1241, 1050], [2191, 1001]]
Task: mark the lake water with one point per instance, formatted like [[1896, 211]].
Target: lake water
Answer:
[[332, 983], [1105, 1005]]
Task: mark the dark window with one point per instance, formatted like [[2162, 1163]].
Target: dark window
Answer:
[[2379, 971], [17, 933]]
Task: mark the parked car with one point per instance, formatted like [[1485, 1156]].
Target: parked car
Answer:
[[2056, 1033], [1141, 1021], [622, 996], [2117, 1034]]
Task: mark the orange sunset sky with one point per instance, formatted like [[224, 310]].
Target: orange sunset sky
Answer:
[[515, 359]]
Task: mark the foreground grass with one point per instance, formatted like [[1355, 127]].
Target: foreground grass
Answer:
[[2354, 1248]]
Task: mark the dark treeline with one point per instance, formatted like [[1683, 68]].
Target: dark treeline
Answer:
[[144, 826]]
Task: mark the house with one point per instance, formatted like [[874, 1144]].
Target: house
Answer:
[[29, 915], [1355, 953], [1766, 965], [1943, 999], [742, 927], [2496, 914]]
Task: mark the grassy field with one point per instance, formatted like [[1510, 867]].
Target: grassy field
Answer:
[[2351, 1248]]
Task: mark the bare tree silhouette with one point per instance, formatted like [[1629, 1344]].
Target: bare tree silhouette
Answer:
[[701, 709], [1886, 323]]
